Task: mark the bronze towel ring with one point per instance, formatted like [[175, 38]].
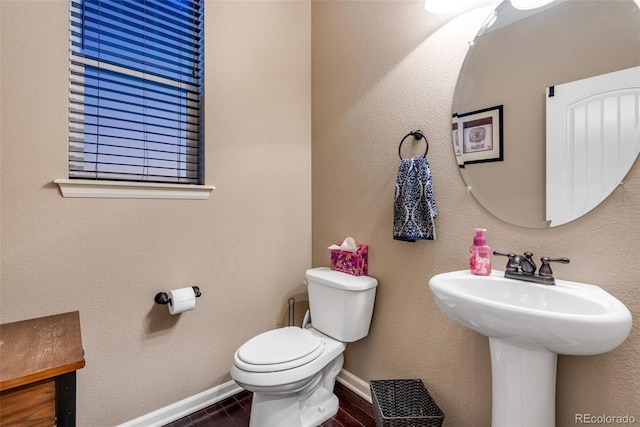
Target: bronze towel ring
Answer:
[[417, 135]]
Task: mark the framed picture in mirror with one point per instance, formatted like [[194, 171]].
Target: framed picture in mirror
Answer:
[[478, 136]]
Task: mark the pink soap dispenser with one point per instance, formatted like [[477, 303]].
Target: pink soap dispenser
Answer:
[[480, 260]]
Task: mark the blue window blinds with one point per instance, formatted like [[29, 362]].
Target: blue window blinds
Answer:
[[135, 90]]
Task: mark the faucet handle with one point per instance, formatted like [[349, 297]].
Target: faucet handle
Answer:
[[511, 265], [545, 268]]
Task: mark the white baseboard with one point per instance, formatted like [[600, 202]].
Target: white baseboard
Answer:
[[355, 384], [186, 406], [217, 394]]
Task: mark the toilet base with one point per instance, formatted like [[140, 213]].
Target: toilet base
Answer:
[[309, 407]]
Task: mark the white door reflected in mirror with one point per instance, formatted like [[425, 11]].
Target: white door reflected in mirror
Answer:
[[593, 139]]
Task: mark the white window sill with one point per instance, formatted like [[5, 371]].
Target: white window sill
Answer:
[[132, 190]]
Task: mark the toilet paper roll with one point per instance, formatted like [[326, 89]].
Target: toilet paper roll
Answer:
[[182, 300]]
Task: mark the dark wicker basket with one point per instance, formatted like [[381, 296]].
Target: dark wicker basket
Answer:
[[404, 403]]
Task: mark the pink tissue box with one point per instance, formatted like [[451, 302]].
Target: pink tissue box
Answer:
[[355, 263]]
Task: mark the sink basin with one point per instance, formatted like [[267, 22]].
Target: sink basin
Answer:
[[567, 318], [528, 325]]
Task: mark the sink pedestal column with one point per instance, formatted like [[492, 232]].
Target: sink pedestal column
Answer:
[[524, 386]]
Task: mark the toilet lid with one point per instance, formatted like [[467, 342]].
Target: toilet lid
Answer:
[[280, 349]]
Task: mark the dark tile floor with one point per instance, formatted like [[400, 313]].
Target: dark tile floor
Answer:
[[354, 411]]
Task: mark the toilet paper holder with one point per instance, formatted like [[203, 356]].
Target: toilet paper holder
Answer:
[[163, 297]]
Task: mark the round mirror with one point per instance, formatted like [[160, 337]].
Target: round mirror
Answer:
[[500, 102]]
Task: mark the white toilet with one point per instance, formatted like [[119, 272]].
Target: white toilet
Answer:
[[291, 371]]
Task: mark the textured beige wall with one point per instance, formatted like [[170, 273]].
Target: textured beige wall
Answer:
[[381, 69], [247, 247]]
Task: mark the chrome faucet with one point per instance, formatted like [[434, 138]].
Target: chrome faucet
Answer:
[[523, 267]]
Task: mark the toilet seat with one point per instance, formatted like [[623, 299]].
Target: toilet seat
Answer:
[[279, 350]]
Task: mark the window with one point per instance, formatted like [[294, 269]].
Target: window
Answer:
[[135, 95]]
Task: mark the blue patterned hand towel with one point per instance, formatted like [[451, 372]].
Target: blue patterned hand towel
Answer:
[[414, 206]]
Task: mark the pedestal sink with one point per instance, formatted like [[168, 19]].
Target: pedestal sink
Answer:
[[528, 325]]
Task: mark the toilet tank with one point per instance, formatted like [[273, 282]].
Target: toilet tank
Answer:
[[341, 305]]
